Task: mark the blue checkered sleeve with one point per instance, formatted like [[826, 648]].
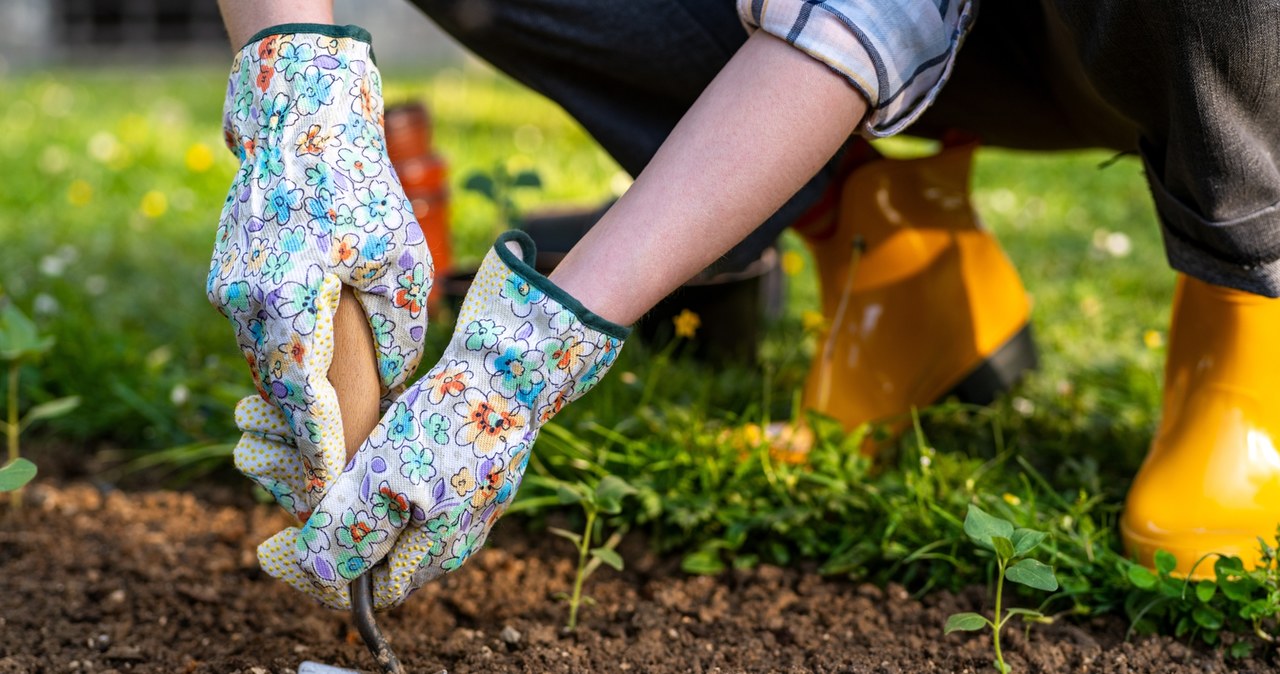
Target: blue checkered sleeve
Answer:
[[897, 53]]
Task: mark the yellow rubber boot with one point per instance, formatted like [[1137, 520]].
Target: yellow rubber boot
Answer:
[[1211, 482], [919, 301]]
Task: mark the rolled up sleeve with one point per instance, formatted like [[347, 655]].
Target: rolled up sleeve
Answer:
[[897, 53]]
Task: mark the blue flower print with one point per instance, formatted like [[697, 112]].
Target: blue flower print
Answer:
[[314, 90], [276, 266], [268, 163], [351, 565], [383, 328], [515, 368], [311, 535], [416, 463], [299, 301], [293, 57], [483, 334], [357, 165], [282, 201], [376, 247], [436, 428], [277, 113], [463, 547], [318, 176], [402, 428], [281, 493], [376, 204], [344, 219], [523, 295], [390, 364], [320, 209], [293, 240]]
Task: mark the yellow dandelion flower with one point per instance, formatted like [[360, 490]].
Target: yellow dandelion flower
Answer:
[[687, 324], [154, 204], [813, 321], [1011, 499], [199, 158], [792, 263], [1153, 339], [80, 192]]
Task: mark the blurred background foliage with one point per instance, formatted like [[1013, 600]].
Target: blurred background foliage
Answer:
[[114, 180]]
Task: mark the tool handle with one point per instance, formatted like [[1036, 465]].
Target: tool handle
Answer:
[[362, 614]]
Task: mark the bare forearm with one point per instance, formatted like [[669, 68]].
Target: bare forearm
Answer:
[[243, 18], [764, 126]]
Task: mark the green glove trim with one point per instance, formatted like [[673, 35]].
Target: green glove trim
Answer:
[[525, 268], [329, 30]]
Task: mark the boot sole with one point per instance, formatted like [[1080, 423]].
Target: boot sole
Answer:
[[1000, 371]]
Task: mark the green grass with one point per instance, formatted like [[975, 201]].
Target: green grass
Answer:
[[109, 214]]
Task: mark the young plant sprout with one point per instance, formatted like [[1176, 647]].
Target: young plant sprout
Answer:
[[605, 499], [1011, 547], [20, 343]]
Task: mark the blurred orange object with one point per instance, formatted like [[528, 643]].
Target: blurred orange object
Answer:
[[424, 177]]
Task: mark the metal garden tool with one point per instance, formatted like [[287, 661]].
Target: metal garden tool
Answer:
[[362, 615]]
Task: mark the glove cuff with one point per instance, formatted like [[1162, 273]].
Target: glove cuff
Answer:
[[328, 30], [523, 264]]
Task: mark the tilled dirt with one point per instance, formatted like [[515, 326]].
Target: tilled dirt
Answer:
[[167, 582]]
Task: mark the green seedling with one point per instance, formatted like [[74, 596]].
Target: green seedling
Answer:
[[1011, 547], [605, 499], [20, 343], [499, 187]]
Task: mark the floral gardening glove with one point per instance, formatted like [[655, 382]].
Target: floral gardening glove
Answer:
[[315, 205], [446, 459]]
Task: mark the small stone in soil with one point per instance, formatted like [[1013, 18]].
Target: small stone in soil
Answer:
[[510, 635]]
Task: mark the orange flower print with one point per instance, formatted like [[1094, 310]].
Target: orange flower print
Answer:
[[414, 286], [368, 105], [315, 478], [256, 256], [488, 488], [462, 482], [267, 48], [557, 403], [490, 419], [313, 140], [254, 372], [264, 77], [567, 354], [296, 349], [448, 381], [276, 367], [347, 250], [231, 139], [368, 271]]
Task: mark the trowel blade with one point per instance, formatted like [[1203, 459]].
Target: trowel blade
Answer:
[[309, 667]]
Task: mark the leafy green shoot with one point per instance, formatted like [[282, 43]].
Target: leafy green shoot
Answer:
[[1012, 548]]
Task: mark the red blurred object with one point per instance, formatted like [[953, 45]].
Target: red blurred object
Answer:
[[424, 177]]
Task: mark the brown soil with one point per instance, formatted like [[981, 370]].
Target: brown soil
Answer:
[[167, 582]]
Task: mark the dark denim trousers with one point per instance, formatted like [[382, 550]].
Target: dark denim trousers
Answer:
[[1193, 85]]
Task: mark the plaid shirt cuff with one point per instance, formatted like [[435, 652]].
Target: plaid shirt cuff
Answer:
[[897, 53]]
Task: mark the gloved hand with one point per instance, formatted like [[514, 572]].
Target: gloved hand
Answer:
[[446, 459], [314, 205]]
